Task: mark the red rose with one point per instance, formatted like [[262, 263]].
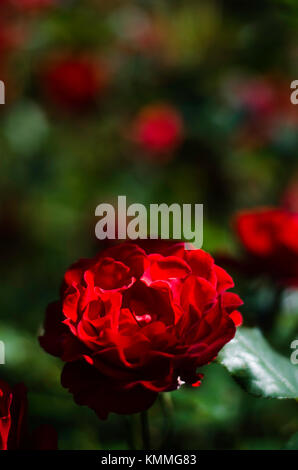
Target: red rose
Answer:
[[265, 108], [13, 34], [158, 129], [134, 322], [73, 83], [289, 199], [13, 422], [270, 239], [26, 5], [32, 5]]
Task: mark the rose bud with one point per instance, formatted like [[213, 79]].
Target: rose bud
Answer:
[[73, 83], [157, 129]]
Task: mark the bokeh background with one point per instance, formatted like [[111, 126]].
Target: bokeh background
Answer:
[[163, 101]]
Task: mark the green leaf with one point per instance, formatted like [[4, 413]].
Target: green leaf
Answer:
[[293, 443], [257, 367], [26, 128]]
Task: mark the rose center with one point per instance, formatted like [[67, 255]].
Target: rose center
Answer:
[[143, 319]]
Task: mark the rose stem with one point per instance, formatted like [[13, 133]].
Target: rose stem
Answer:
[[130, 432], [167, 411], [145, 430]]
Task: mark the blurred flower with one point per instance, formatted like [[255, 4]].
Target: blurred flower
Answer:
[[255, 95], [270, 239], [290, 196], [265, 108], [133, 322], [136, 29], [12, 36], [74, 83], [15, 29], [32, 5], [158, 129], [13, 422]]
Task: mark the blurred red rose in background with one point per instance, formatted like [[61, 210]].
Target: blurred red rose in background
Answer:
[[270, 239], [289, 198], [32, 5], [15, 28], [133, 322], [158, 128], [12, 36], [137, 30], [265, 108], [14, 433], [256, 95], [74, 83]]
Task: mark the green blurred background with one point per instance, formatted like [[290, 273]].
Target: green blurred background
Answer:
[[225, 67]]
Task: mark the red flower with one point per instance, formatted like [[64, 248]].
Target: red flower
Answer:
[[158, 129], [289, 199], [13, 422], [12, 36], [270, 239], [73, 83], [265, 107], [134, 322], [32, 5]]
